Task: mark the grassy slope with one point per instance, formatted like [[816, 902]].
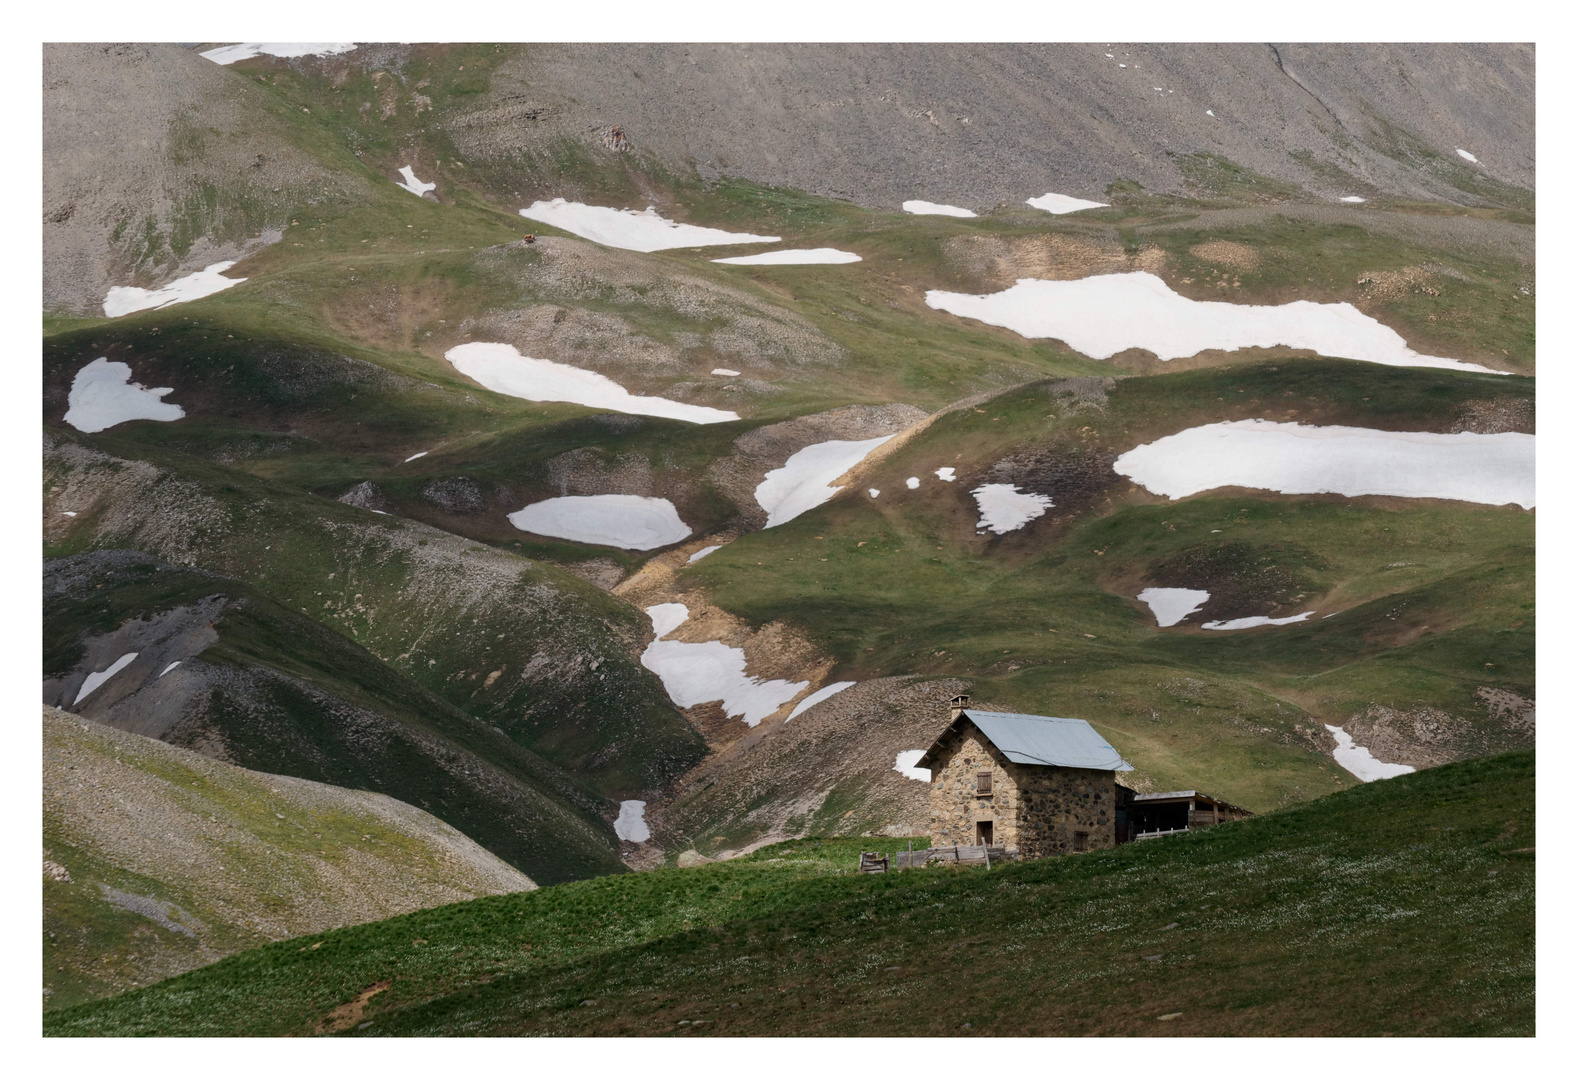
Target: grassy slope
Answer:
[[510, 801], [1043, 619], [1403, 907]]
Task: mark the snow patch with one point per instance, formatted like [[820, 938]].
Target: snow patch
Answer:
[[793, 257], [631, 824], [413, 457], [230, 54], [1466, 156], [1170, 606], [502, 369], [103, 395], [697, 672], [817, 698], [633, 230], [125, 299], [1352, 198], [167, 669], [945, 473], [69, 513], [1297, 460], [412, 184], [912, 483], [805, 481], [99, 678], [728, 372], [1053, 203], [1005, 508], [921, 206], [702, 554], [904, 763], [1359, 761], [1103, 315], [635, 522], [1255, 620], [873, 492]]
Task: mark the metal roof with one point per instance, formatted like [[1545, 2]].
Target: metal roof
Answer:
[[1044, 740], [1168, 795]]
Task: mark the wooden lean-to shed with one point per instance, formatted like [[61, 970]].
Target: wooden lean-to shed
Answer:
[[1044, 785]]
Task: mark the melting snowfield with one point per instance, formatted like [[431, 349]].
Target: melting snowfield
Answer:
[[103, 395], [805, 481], [631, 824], [793, 257], [502, 369], [921, 206], [99, 678], [1103, 315], [125, 299], [1255, 620], [1170, 606], [697, 672], [817, 698], [905, 763], [412, 184], [1299, 460], [636, 522], [229, 54], [1359, 761], [1054, 203], [1005, 508], [633, 230]]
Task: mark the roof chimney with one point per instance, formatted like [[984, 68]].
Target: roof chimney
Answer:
[[957, 705]]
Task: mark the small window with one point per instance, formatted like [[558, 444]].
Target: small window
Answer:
[[983, 783], [1082, 841]]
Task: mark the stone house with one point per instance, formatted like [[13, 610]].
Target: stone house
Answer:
[[1044, 785]]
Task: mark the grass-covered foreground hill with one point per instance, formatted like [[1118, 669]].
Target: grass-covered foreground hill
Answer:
[[158, 859], [1405, 907]]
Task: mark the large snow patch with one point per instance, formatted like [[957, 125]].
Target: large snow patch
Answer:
[[502, 369], [697, 672], [412, 184], [125, 299], [636, 522], [1053, 203], [793, 257], [1103, 315], [806, 479], [1170, 606], [103, 395], [633, 230], [288, 50], [1005, 508], [1299, 460], [631, 824], [99, 678], [1359, 761], [921, 206]]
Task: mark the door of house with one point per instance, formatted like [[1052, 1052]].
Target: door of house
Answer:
[[983, 833]]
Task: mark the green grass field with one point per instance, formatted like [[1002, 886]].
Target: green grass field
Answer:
[[1403, 907]]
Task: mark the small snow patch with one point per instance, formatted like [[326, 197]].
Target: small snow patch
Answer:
[[1103, 315], [502, 369], [793, 257], [1359, 761], [634, 522], [633, 230], [125, 299], [1255, 620], [1208, 112], [167, 669], [726, 372], [1466, 156], [1005, 508], [230, 54], [805, 481], [904, 763], [412, 184], [817, 698], [873, 492], [631, 824], [1053, 203], [945, 473], [702, 554], [413, 457], [1295, 459], [694, 673], [69, 513], [1171, 606], [1352, 198], [921, 206], [99, 678], [103, 395], [912, 483]]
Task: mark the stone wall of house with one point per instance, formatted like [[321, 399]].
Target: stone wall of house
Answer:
[[1035, 808]]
